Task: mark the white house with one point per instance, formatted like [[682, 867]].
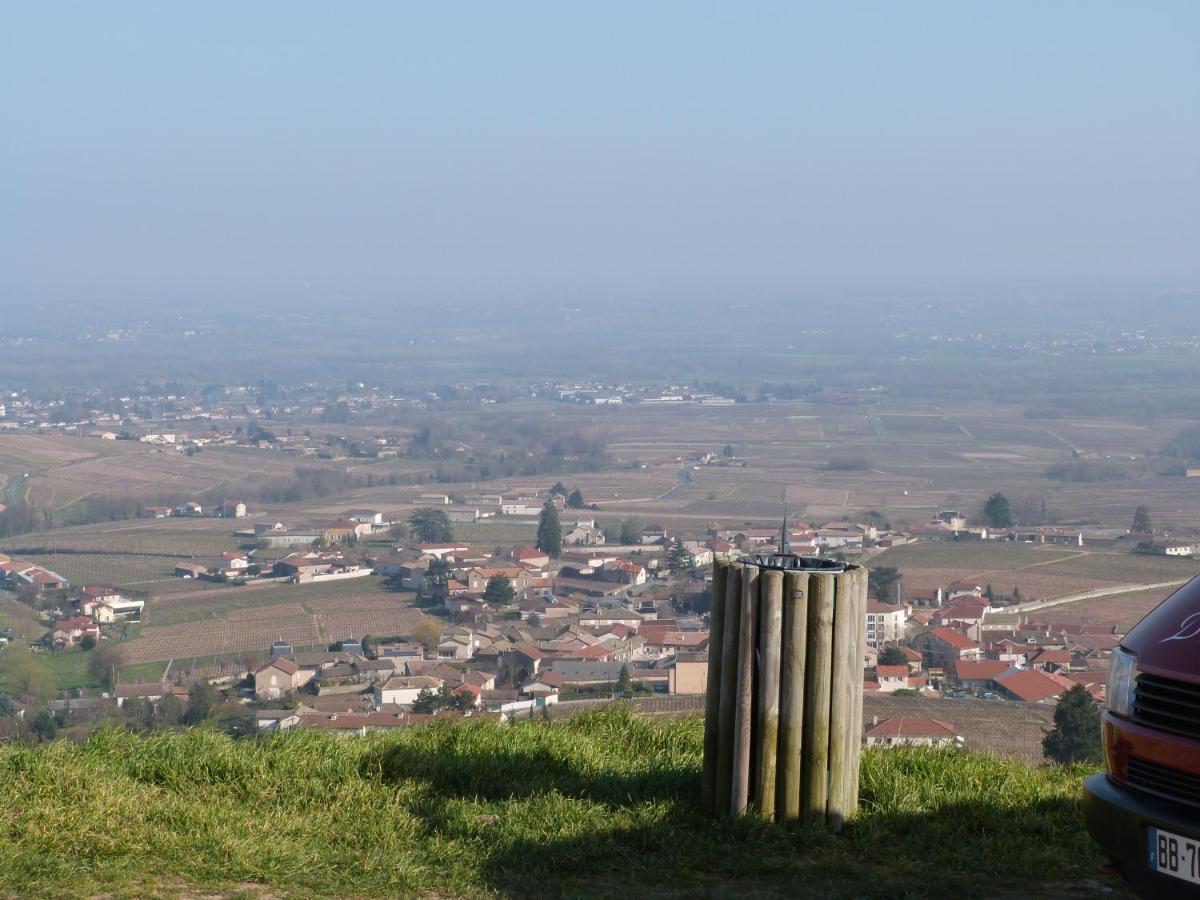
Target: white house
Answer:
[[403, 690]]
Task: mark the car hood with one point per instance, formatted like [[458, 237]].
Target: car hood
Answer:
[[1167, 640]]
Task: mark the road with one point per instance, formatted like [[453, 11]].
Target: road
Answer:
[[1095, 594]]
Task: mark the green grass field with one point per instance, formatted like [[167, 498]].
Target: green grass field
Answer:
[[595, 805]]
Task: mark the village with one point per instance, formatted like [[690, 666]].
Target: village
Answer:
[[581, 617]]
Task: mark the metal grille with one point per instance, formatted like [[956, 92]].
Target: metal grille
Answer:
[[1167, 705], [1163, 781]]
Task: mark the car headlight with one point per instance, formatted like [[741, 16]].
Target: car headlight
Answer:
[[1122, 682]]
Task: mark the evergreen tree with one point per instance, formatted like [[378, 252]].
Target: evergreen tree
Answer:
[[631, 532], [679, 558], [1076, 734], [44, 725], [1016, 594], [202, 700], [998, 512], [625, 680], [989, 594], [575, 501], [892, 656], [549, 533], [883, 583], [499, 591], [1141, 521], [430, 525]]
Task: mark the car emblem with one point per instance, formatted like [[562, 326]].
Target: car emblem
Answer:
[[1188, 628]]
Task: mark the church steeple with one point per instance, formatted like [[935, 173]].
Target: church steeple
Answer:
[[785, 545]]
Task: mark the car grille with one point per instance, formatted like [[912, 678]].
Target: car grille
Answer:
[[1163, 781], [1168, 705]]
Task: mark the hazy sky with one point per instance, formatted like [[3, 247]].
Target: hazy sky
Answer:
[[508, 150]]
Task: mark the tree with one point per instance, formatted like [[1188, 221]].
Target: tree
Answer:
[[883, 583], [1076, 734], [44, 725], [559, 488], [168, 712], [679, 558], [1016, 594], [892, 655], [27, 678], [430, 701], [989, 594], [997, 511], [102, 665], [549, 533], [576, 501], [429, 633], [430, 525], [202, 700], [631, 532], [499, 591], [1141, 521], [625, 680], [7, 707], [87, 642]]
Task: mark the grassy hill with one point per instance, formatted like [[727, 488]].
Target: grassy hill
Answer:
[[600, 804]]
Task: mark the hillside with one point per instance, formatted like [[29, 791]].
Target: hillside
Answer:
[[594, 805]]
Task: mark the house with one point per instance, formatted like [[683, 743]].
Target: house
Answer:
[[885, 623], [520, 578], [531, 556], [1034, 687], [688, 673], [911, 731], [232, 509], [1052, 659], [624, 571], [546, 685], [157, 512], [151, 692], [404, 690], [457, 646], [69, 632], [303, 566], [976, 675], [364, 517], [943, 647], [341, 531], [587, 673], [278, 678], [889, 679]]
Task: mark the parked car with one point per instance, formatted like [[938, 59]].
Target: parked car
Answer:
[[1144, 810]]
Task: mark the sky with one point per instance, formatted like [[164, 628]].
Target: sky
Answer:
[[583, 152]]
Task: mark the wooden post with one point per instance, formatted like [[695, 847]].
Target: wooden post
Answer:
[[814, 787], [860, 649], [728, 699], [770, 634], [744, 716], [791, 701], [712, 696], [842, 729]]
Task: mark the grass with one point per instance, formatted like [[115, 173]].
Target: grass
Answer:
[[589, 806]]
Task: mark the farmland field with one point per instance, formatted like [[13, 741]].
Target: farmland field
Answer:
[[1044, 572], [235, 621], [1123, 610]]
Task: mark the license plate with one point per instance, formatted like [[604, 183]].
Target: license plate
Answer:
[[1174, 855]]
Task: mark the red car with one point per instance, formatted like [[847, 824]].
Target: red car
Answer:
[[1145, 809]]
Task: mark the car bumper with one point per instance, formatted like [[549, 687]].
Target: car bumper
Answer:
[[1117, 819]]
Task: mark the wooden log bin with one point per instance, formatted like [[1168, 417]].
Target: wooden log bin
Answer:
[[783, 709]]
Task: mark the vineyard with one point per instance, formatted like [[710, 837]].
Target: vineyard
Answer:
[[236, 621]]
